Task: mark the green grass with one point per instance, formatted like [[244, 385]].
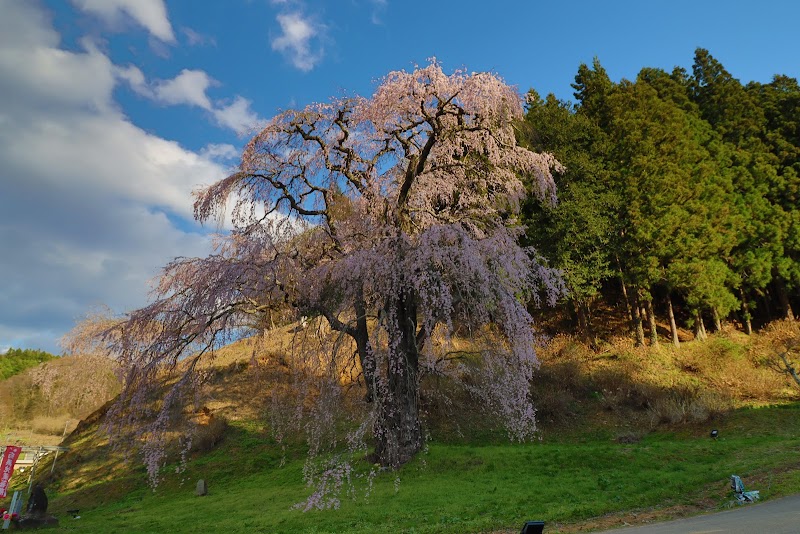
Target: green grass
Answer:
[[564, 479]]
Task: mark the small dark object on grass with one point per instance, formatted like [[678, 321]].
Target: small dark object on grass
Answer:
[[714, 433], [74, 513], [533, 527], [628, 438]]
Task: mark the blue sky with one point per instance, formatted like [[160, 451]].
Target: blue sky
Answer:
[[113, 111]]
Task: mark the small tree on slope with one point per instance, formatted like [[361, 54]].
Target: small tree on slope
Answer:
[[391, 217]]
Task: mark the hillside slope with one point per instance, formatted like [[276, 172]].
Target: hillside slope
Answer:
[[43, 402], [623, 435]]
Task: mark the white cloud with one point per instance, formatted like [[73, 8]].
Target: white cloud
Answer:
[[378, 9], [52, 78], [135, 78], [295, 41], [194, 38], [151, 14], [222, 151], [188, 87], [92, 205], [158, 47], [24, 24], [237, 116]]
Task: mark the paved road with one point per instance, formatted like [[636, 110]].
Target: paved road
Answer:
[[781, 516]]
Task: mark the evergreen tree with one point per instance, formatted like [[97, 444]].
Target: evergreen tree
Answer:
[[680, 184], [761, 258], [673, 189], [574, 234], [780, 103]]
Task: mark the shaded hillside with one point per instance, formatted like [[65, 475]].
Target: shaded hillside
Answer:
[[636, 388]]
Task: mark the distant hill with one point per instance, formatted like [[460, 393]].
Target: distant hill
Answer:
[[15, 361], [45, 397]]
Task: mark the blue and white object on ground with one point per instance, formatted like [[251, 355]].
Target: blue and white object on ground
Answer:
[[742, 495]]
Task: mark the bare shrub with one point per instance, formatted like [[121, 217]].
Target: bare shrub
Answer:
[[685, 406], [668, 409], [210, 434], [777, 334], [778, 349], [553, 404]]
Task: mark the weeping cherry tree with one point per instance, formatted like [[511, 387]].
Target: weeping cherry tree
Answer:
[[392, 219]]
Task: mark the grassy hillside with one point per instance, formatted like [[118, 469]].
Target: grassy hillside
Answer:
[[478, 486], [40, 402], [14, 361], [624, 438]]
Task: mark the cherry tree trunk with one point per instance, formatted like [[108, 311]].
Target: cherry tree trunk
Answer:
[[365, 352], [398, 431]]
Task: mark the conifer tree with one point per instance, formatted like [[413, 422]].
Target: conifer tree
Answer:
[[575, 234], [761, 258]]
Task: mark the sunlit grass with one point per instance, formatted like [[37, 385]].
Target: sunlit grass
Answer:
[[471, 487]]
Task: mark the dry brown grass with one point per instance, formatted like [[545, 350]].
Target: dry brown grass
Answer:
[[53, 426], [663, 385]]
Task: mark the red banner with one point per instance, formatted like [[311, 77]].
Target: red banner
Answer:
[[7, 467]]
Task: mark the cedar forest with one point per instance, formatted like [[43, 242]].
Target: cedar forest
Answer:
[[680, 188]]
